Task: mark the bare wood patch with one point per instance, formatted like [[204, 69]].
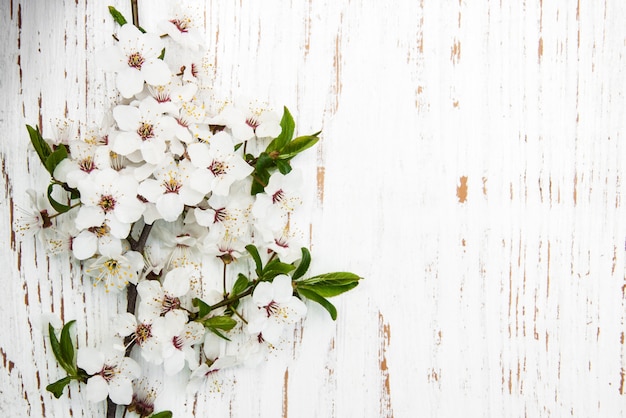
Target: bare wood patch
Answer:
[[384, 333], [461, 190]]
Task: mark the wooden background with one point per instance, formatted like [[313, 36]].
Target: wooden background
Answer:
[[469, 169]]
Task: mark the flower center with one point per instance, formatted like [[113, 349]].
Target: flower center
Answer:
[[252, 122], [111, 265], [220, 215], [135, 60], [143, 333], [87, 164], [177, 342], [172, 185], [282, 242], [107, 372], [271, 308], [100, 231], [145, 131], [278, 196], [218, 168], [143, 407], [181, 25], [169, 304], [107, 203]]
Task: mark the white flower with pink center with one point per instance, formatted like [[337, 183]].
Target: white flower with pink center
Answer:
[[135, 58], [111, 374], [178, 347], [144, 128], [276, 307], [218, 165], [246, 123], [281, 197], [107, 194], [169, 189]]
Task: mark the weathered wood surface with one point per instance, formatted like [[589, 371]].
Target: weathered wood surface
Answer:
[[470, 169]]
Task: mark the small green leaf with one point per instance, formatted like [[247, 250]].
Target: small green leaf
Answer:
[[274, 268], [288, 126], [162, 414], [296, 146], [55, 158], [309, 294], [283, 166], [57, 387], [203, 307], [117, 16], [162, 55], [304, 264], [254, 253], [225, 323], [56, 346], [328, 289], [339, 276], [67, 348], [260, 178], [40, 145], [241, 284], [59, 207]]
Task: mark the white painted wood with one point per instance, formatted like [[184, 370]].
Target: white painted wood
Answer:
[[470, 169]]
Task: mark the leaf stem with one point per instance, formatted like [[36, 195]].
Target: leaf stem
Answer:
[[228, 301]]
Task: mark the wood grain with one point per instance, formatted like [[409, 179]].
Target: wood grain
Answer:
[[470, 169]]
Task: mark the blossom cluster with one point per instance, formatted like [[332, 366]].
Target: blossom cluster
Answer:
[[170, 185]]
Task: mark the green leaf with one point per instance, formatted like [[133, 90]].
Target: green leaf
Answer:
[[56, 347], [57, 387], [225, 323], [162, 55], [203, 307], [260, 178], [283, 166], [339, 276], [309, 294], [162, 414], [67, 348], [288, 126], [241, 284], [59, 207], [296, 146], [40, 145], [305, 262], [117, 16], [328, 289], [55, 158], [274, 268], [254, 253]]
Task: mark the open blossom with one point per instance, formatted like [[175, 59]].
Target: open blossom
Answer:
[[135, 58], [169, 189], [247, 123], [84, 159], [280, 198], [105, 239], [115, 271], [107, 194], [112, 374], [178, 348], [144, 331], [218, 165], [276, 307], [157, 300], [144, 129]]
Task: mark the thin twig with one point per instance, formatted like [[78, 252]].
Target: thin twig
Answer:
[[135, 11]]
